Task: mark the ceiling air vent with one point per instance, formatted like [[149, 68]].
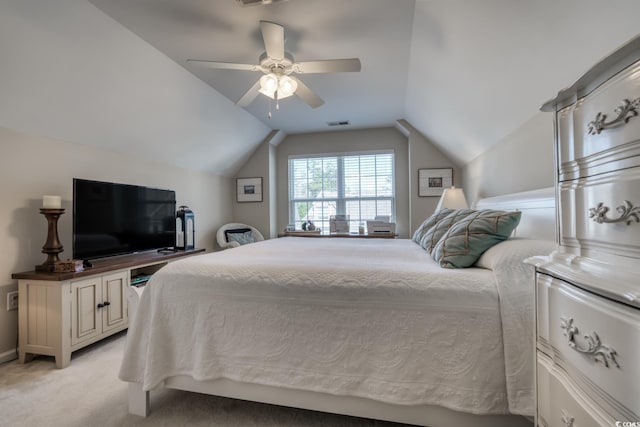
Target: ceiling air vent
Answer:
[[257, 2], [340, 123]]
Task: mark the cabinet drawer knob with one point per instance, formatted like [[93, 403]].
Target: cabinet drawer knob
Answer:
[[627, 212], [106, 303], [100, 305], [593, 345], [627, 110]]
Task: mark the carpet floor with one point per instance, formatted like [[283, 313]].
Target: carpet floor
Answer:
[[88, 393]]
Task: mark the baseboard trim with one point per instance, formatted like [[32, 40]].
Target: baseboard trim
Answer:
[[8, 356]]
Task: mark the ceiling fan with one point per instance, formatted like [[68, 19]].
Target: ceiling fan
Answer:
[[278, 65]]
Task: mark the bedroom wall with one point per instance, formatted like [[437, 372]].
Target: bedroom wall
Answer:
[[256, 214], [345, 142], [521, 161], [31, 166], [423, 154]]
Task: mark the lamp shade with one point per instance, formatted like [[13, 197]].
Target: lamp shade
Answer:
[[452, 198], [268, 85], [286, 87]]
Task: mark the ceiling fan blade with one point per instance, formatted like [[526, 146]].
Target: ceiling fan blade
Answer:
[[328, 66], [307, 95], [224, 65], [249, 96], [273, 36]]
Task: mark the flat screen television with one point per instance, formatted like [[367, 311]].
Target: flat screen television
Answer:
[[115, 219]]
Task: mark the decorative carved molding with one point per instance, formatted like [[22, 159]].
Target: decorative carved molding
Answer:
[[627, 212], [593, 347], [626, 111], [567, 419]]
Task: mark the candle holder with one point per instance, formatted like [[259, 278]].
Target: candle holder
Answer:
[[52, 246]]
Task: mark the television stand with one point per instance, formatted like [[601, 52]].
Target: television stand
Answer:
[[60, 313], [167, 250]]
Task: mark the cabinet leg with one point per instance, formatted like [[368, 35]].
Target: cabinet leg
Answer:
[[138, 400], [63, 359], [24, 357]]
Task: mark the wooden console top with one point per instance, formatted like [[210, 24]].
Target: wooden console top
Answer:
[[109, 264]]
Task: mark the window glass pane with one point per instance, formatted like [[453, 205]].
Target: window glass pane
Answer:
[[314, 178], [353, 209], [352, 186], [300, 211], [384, 186], [330, 177], [367, 165], [368, 209], [383, 207], [368, 186], [351, 166], [299, 180]]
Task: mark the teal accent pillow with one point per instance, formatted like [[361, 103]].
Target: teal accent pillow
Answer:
[[435, 233], [467, 239], [241, 237], [430, 222]]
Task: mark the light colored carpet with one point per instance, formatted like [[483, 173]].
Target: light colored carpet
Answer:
[[88, 393]]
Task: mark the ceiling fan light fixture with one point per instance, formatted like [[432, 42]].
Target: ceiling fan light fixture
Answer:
[[268, 85], [286, 87]]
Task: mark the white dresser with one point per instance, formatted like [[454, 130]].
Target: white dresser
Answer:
[[588, 290]]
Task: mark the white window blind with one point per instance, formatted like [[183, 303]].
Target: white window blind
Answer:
[[359, 185]]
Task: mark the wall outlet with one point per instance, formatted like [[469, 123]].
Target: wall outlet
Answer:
[[12, 300]]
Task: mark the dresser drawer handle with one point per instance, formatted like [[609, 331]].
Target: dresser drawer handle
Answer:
[[627, 212], [627, 110], [593, 346]]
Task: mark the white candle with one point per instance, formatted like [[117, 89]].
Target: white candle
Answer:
[[51, 202]]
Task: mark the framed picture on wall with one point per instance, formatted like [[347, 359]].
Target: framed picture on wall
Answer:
[[432, 182], [249, 190]]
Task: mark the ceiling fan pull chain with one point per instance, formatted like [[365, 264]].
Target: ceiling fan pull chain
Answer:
[[269, 108]]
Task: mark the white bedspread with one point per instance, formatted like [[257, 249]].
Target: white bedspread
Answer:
[[372, 318]]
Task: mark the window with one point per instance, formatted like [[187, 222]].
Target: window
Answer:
[[358, 185]]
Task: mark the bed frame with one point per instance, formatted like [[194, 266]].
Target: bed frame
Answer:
[[538, 221]]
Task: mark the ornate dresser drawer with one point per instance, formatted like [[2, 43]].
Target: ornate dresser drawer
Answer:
[[588, 289], [597, 131], [560, 403], [593, 339], [600, 213]]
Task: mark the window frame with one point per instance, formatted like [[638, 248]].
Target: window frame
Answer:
[[341, 200]]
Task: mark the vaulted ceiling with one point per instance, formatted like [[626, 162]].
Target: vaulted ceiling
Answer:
[[465, 73]]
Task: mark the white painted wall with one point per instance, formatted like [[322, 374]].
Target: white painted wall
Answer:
[[521, 161], [423, 154], [256, 214], [31, 166]]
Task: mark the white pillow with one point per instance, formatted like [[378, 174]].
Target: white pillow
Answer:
[[500, 255]]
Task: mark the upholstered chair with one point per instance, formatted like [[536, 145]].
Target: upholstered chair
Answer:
[[235, 234]]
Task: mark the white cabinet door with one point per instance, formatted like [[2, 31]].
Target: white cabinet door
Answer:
[[86, 320], [114, 300]]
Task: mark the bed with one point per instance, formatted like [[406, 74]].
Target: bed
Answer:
[[365, 327]]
